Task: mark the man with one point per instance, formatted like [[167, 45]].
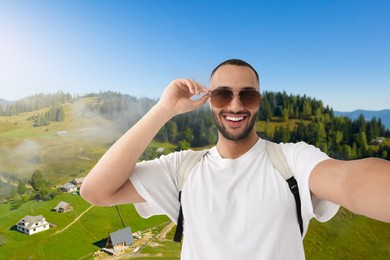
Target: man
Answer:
[[235, 205]]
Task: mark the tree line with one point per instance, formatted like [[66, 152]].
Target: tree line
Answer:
[[339, 137], [124, 110], [305, 119], [54, 114], [36, 102]]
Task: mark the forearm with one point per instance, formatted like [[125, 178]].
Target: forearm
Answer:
[[117, 164], [107, 183], [369, 188], [361, 186]]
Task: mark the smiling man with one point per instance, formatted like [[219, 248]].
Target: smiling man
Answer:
[[235, 203], [242, 83]]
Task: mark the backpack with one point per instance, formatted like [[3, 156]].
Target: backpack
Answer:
[[278, 161]]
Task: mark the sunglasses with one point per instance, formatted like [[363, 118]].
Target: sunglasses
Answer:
[[222, 97]]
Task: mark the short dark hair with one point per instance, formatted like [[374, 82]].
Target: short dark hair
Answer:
[[235, 62]]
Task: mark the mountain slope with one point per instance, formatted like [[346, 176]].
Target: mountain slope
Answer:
[[384, 115], [4, 103]]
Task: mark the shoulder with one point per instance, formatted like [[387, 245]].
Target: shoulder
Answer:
[[303, 150], [166, 163], [302, 157]]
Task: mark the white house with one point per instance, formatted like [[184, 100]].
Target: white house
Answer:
[[69, 187], [32, 224], [78, 181], [63, 207]]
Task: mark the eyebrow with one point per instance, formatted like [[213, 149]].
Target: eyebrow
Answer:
[[229, 88]]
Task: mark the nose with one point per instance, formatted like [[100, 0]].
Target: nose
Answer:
[[235, 104]]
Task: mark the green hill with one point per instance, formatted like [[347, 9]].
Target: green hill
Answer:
[[61, 149]]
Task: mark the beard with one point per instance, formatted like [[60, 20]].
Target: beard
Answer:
[[234, 137]]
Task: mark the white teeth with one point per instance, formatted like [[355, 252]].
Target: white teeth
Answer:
[[235, 119]]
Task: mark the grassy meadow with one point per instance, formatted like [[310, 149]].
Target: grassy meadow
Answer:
[[61, 149], [80, 240]]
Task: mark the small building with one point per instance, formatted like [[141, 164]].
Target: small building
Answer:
[[69, 187], [377, 141], [62, 133], [118, 241], [160, 150], [63, 207], [32, 224], [78, 181]]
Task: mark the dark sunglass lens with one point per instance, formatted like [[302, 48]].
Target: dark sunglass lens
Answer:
[[221, 97], [250, 98]]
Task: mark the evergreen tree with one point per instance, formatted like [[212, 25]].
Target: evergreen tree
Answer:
[[21, 187], [38, 181], [184, 145]]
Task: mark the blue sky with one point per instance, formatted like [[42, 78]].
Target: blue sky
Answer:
[[336, 51]]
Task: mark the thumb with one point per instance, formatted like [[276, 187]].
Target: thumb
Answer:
[[200, 101]]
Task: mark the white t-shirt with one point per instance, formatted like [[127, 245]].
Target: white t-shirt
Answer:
[[235, 208]]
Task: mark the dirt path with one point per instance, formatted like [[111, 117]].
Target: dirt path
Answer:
[[74, 221], [165, 231]]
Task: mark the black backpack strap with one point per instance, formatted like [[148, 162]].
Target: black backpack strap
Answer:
[[278, 160], [179, 227], [292, 183]]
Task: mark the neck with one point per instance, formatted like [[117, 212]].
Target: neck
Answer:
[[233, 149]]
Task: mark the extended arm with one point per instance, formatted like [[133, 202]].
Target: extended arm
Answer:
[[361, 186], [108, 182]]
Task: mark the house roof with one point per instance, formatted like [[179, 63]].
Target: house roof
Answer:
[[31, 220], [79, 180], [122, 235], [160, 150], [62, 204], [68, 185]]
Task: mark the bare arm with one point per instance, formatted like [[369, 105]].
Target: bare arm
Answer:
[[108, 182], [361, 186]]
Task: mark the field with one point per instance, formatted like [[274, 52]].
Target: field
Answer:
[[79, 240], [69, 149], [347, 236]]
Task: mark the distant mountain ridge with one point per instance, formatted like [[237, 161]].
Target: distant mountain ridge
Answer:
[[384, 115], [4, 102]]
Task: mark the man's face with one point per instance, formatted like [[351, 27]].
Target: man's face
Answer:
[[234, 121]]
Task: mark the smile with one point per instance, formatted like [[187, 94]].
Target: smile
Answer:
[[234, 118]]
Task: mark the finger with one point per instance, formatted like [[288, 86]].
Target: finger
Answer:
[[201, 101], [203, 89], [195, 86], [185, 85], [192, 86], [199, 88]]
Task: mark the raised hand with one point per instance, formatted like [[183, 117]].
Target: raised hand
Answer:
[[110, 176], [177, 97]]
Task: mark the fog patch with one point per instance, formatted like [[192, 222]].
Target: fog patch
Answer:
[[21, 159], [89, 125], [106, 117]]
